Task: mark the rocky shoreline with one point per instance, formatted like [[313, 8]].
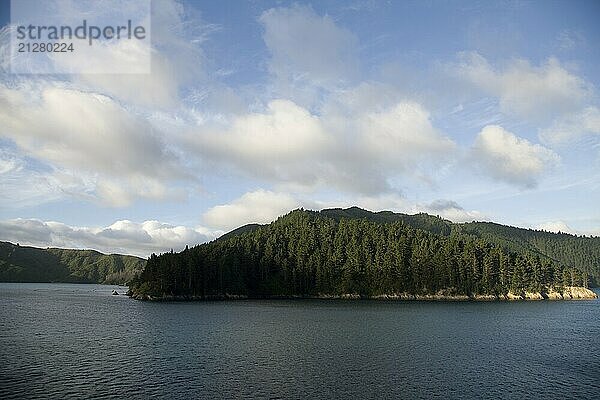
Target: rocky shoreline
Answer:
[[567, 293]]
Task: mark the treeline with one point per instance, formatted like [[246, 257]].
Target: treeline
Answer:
[[308, 254]]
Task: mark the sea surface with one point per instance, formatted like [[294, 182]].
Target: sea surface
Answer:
[[78, 341]]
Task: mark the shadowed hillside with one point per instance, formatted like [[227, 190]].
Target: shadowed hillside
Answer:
[[31, 264]]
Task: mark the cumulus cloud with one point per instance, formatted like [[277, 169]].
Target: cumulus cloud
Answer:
[[509, 158], [402, 136], [124, 236], [158, 89], [307, 46], [89, 133], [176, 60], [359, 153], [524, 89], [284, 133], [261, 206], [146, 73], [573, 126]]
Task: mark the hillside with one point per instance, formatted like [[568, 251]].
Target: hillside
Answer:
[[31, 264], [580, 252], [339, 252]]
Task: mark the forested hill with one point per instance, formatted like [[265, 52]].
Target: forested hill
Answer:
[[580, 252], [31, 264], [355, 252]]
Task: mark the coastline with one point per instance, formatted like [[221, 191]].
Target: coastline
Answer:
[[567, 293]]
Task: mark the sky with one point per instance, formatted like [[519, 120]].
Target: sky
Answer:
[[471, 110]]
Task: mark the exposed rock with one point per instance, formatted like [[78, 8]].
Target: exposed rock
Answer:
[[485, 297], [533, 296], [512, 296], [554, 295], [577, 292]]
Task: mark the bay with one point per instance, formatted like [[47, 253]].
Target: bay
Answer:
[[79, 341]]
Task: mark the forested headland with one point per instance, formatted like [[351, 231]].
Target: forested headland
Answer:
[[357, 253]]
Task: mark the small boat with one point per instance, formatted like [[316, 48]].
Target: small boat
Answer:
[[115, 293]]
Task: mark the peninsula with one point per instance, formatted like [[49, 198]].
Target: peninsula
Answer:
[[354, 253]]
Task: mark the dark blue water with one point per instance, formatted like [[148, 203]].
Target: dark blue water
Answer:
[[78, 341]]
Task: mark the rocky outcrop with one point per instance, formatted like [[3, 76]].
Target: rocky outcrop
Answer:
[[566, 293], [572, 293]]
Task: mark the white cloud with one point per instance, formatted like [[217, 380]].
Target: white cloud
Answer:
[[156, 89], [284, 144], [260, 206], [124, 236], [306, 46], [89, 133], [402, 136], [573, 126], [539, 92], [556, 226], [26, 185], [133, 72], [177, 60], [284, 132], [9, 163], [510, 158], [452, 211], [360, 152]]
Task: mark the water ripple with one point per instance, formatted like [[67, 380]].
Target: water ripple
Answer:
[[78, 341]]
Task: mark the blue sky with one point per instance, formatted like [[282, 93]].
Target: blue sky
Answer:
[[470, 110]]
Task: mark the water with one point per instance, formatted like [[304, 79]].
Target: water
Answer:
[[78, 341]]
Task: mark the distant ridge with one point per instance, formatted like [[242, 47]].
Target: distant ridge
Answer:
[[32, 264], [420, 221], [240, 230]]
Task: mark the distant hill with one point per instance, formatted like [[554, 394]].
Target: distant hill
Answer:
[[31, 264], [348, 252]]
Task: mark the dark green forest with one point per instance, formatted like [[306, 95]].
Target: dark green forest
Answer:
[[354, 251], [31, 264]]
